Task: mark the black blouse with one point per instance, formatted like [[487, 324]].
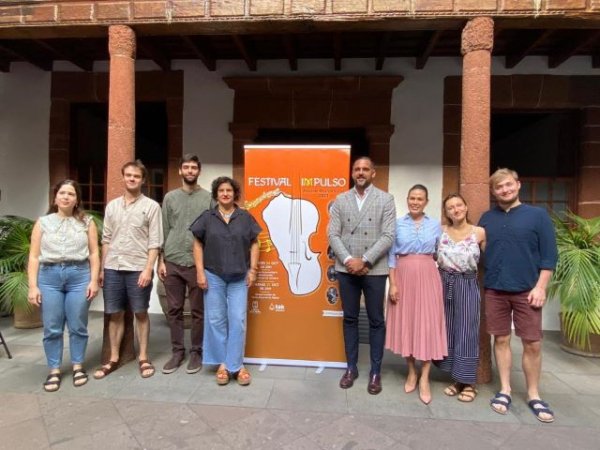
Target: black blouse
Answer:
[[226, 245]]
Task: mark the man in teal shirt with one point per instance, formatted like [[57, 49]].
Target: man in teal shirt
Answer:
[[176, 266]]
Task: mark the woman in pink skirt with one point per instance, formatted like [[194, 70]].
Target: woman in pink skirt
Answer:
[[416, 327]]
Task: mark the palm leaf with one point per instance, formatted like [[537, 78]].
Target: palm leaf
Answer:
[[13, 292], [576, 280]]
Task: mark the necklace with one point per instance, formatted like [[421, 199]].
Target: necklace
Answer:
[[226, 215]]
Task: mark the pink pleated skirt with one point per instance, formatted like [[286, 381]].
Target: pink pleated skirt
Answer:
[[415, 324]]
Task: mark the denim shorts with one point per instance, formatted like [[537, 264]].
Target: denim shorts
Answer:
[[121, 290]]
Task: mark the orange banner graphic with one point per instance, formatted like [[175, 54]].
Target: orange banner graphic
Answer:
[[294, 310]]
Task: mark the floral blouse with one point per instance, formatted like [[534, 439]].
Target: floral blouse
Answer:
[[461, 256]]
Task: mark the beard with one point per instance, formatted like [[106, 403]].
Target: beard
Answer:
[[190, 182]]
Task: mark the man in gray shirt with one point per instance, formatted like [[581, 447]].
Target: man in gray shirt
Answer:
[[176, 266]]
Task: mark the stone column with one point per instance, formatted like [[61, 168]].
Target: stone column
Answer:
[[121, 106], [121, 145], [476, 47]]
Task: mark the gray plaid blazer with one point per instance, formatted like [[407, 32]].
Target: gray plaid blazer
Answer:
[[368, 232]]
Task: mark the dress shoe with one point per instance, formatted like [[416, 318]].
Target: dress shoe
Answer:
[[374, 386], [347, 380]]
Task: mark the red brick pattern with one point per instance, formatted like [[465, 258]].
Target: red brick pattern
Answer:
[[77, 12], [262, 7], [149, 10], [227, 8], [476, 5], [44, 12], [552, 5], [185, 9], [113, 11], [308, 6], [388, 6], [433, 5], [349, 6], [41, 13]]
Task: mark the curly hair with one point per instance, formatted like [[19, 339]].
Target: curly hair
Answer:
[[217, 182]]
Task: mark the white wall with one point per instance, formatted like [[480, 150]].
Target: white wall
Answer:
[[24, 126], [415, 148]]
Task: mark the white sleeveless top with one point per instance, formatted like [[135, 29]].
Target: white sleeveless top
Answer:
[[461, 256], [63, 239]]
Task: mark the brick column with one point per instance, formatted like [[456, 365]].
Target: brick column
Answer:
[[121, 146], [121, 106], [588, 189], [476, 47]]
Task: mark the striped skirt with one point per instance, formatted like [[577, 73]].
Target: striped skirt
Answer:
[[415, 324], [461, 305]]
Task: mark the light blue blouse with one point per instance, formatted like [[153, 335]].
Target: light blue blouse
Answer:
[[411, 239]]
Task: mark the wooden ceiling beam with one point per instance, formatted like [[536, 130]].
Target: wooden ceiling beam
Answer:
[[86, 65], [21, 55], [201, 51], [155, 54], [384, 43], [572, 48], [526, 48], [290, 51], [244, 52], [434, 37], [337, 51]]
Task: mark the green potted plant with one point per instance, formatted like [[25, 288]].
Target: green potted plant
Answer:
[[15, 241], [576, 282], [15, 238]]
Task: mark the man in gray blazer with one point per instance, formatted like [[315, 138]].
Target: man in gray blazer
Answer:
[[361, 231]]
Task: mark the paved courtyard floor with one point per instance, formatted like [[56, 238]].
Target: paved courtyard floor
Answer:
[[284, 408]]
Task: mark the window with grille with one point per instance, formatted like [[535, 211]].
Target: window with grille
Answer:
[[542, 147], [89, 141]]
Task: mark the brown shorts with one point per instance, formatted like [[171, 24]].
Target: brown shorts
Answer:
[[501, 305]]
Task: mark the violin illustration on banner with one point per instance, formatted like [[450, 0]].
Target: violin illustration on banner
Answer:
[[291, 222]]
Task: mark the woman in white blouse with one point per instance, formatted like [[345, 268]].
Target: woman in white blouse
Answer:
[[63, 279]]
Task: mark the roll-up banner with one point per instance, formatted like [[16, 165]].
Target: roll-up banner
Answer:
[[294, 309]]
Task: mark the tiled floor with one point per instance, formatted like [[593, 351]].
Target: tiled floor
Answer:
[[285, 407]]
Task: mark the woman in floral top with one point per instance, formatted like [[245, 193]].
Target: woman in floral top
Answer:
[[457, 257]]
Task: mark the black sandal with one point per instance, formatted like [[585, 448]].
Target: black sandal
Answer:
[[79, 374], [52, 383]]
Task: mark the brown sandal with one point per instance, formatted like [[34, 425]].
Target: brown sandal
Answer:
[[222, 376], [111, 366], [468, 394], [454, 389], [243, 377], [146, 365]]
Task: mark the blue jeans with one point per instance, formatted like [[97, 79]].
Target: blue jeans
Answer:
[[63, 288], [225, 306]]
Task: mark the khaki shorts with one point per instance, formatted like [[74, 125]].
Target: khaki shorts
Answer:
[[503, 308]]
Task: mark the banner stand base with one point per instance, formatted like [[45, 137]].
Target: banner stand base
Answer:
[[319, 365]]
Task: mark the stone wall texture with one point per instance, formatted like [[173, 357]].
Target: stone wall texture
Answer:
[[99, 12]]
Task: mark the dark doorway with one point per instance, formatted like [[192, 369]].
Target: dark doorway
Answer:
[[542, 148], [88, 148]]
